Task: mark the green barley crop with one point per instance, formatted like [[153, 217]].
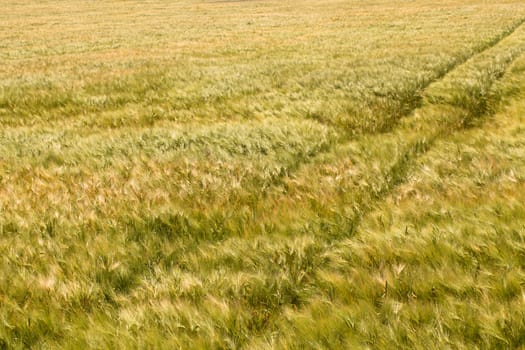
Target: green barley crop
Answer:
[[262, 174]]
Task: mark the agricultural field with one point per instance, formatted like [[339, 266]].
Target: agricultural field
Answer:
[[262, 174]]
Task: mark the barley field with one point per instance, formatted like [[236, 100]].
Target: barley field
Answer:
[[262, 174]]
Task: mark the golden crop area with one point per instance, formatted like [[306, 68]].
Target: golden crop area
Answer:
[[336, 174]]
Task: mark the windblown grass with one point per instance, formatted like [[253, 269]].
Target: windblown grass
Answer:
[[262, 174]]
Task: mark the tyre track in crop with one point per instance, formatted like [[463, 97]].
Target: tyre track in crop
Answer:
[[447, 126], [435, 119]]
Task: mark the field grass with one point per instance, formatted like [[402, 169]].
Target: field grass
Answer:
[[262, 174]]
